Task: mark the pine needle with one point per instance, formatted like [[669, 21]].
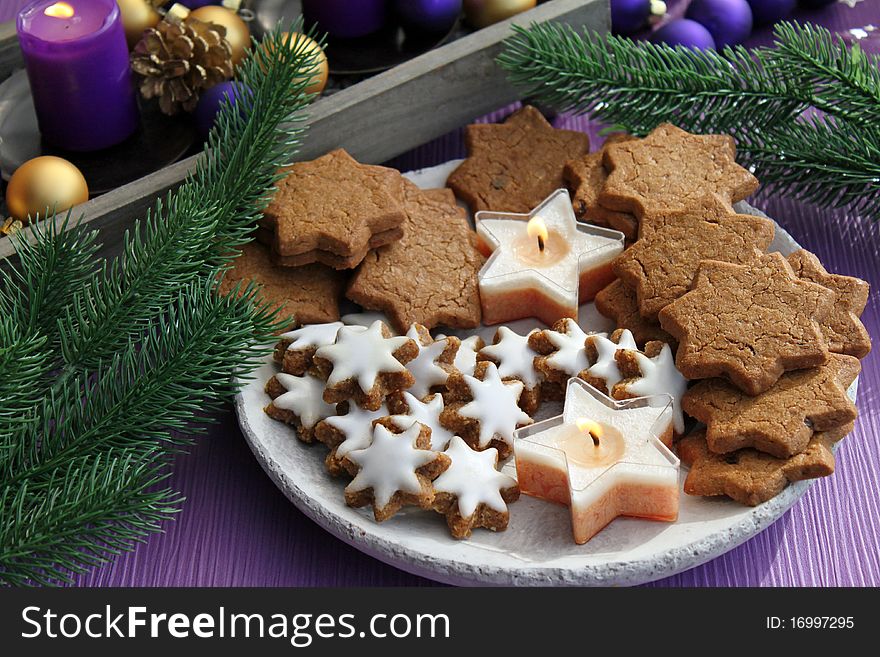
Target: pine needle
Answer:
[[767, 98], [107, 369]]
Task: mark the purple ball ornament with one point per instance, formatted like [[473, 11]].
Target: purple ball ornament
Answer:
[[729, 21], [209, 104], [768, 12], [347, 19], [684, 32], [428, 15], [628, 16]]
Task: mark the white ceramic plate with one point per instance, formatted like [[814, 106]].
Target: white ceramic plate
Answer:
[[537, 548]]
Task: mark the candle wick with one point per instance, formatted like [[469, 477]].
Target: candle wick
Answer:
[[541, 243], [595, 439]]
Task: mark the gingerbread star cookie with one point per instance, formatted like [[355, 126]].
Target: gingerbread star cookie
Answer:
[[298, 401], [513, 166], [671, 169], [662, 264], [751, 477], [472, 492], [586, 177], [296, 349], [309, 294], [365, 365], [484, 410], [516, 362], [350, 430], [429, 276], [333, 210], [395, 470], [432, 366], [782, 420], [618, 302], [842, 328], [749, 323]]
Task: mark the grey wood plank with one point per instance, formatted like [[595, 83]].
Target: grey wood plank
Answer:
[[10, 54], [379, 118]]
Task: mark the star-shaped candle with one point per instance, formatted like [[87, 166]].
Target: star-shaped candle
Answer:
[[543, 264], [602, 458]]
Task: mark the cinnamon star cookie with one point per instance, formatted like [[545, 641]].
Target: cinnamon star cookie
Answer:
[[842, 328], [662, 264], [749, 476], [309, 294], [749, 323], [782, 420], [671, 169], [513, 166], [618, 302], [333, 210], [429, 277]]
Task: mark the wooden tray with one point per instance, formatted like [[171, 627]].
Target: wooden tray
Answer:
[[374, 120]]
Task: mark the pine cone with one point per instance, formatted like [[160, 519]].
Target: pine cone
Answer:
[[180, 59]]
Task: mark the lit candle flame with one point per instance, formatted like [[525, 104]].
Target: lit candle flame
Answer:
[[59, 10], [590, 427], [536, 228]]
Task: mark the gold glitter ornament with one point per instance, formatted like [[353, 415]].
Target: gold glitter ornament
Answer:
[[43, 185], [238, 34]]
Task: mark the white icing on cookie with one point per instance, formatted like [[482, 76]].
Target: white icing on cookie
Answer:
[[362, 355], [495, 406], [514, 356], [389, 464], [366, 319], [424, 367], [466, 357], [356, 426], [474, 478], [570, 357], [312, 335], [427, 413], [304, 397], [659, 375], [605, 366]]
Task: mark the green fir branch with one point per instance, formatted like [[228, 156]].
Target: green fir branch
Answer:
[[822, 160], [128, 356], [767, 98], [176, 371], [642, 84], [23, 370], [207, 219], [81, 515], [845, 82]]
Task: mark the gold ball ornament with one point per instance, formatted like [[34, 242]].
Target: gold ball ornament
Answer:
[[45, 182], [481, 13], [321, 69], [238, 34], [137, 16]]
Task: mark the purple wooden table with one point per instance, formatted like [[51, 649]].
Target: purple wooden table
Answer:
[[237, 529]]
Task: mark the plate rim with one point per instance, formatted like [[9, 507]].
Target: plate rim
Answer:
[[450, 571], [446, 570]]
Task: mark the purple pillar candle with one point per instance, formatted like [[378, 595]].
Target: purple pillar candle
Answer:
[[77, 63]]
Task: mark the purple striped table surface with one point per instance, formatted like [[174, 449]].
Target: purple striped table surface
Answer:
[[237, 529]]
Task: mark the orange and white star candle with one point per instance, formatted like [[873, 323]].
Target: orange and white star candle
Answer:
[[543, 264], [603, 458]]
